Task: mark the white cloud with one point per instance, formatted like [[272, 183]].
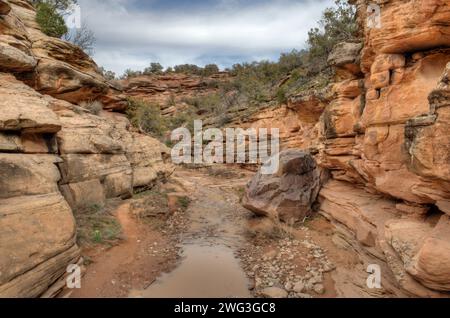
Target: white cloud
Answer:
[[131, 38]]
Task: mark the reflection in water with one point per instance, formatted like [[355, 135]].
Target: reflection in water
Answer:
[[205, 272]]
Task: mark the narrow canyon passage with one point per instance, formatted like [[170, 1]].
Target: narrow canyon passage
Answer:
[[217, 248]]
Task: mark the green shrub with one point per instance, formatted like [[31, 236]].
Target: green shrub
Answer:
[[281, 96], [96, 226], [51, 22], [146, 117], [155, 68], [210, 69], [337, 25]]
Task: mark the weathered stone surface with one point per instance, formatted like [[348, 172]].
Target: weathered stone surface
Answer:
[[171, 90], [60, 80], [99, 153], [15, 46], [36, 282], [274, 292], [346, 56], [406, 237], [4, 7], [21, 108], [408, 98], [28, 175], [147, 157], [10, 142], [114, 171], [88, 134], [430, 147], [84, 194], [432, 263], [39, 143], [290, 193], [440, 96], [341, 116], [362, 212], [46, 228], [13, 59], [57, 67], [388, 62], [417, 26]]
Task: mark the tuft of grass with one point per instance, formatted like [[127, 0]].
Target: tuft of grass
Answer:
[[184, 202], [146, 117], [95, 107], [96, 226]]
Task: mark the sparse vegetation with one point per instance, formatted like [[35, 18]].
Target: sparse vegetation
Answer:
[[154, 68], [95, 107], [253, 85], [109, 75], [184, 202], [82, 37], [337, 25], [146, 117], [50, 20], [50, 17], [96, 226]]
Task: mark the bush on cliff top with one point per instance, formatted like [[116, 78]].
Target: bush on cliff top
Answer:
[[337, 25], [51, 22]]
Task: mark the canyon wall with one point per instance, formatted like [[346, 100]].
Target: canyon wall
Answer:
[[385, 139], [57, 158], [172, 91]]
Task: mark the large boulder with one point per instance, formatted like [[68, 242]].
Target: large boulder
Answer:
[[289, 194]]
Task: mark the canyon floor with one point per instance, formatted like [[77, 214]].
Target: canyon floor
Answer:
[[211, 246]]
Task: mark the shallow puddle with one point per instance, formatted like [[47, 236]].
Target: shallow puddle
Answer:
[[205, 272]]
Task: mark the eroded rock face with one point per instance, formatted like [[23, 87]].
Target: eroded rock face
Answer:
[[52, 66], [37, 228], [55, 157], [289, 194], [386, 132], [170, 91]]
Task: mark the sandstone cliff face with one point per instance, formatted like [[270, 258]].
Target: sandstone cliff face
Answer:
[[51, 66], [382, 132], [171, 91], [297, 120], [56, 157], [386, 133]]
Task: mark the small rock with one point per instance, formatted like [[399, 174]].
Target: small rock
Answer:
[[299, 287], [274, 292], [319, 289], [288, 286]]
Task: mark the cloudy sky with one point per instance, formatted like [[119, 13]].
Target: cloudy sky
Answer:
[[133, 33]]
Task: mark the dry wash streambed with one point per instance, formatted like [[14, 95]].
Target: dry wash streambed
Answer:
[[216, 224], [216, 248]]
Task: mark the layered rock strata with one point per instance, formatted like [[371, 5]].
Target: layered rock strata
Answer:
[[385, 140], [57, 158]]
